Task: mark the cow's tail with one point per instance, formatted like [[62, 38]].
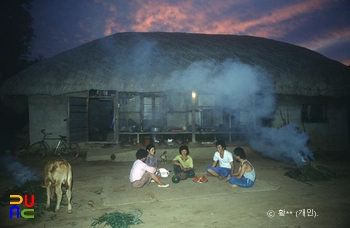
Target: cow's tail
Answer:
[[46, 184]]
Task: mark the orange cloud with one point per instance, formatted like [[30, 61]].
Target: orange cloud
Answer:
[[270, 25], [160, 16], [111, 25], [208, 17], [156, 15], [329, 38], [346, 62]]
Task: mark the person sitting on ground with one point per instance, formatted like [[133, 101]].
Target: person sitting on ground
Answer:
[[151, 159], [245, 176], [225, 159], [141, 174], [183, 163]]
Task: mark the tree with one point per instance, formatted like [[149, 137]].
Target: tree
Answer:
[[16, 35]]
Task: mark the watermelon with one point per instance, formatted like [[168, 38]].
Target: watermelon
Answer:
[[197, 179], [175, 179]]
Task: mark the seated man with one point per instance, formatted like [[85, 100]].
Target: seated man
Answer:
[[141, 174], [183, 162], [245, 176], [225, 159]]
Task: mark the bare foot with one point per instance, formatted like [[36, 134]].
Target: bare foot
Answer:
[[220, 177], [233, 186]]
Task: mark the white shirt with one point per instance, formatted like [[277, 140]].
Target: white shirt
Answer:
[[225, 161], [138, 169]]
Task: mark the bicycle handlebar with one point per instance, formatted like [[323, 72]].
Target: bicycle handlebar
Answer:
[[62, 137], [45, 134]]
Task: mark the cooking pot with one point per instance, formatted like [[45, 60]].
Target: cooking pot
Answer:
[[154, 129]]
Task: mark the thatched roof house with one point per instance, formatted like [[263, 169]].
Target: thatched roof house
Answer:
[[117, 61], [143, 68]]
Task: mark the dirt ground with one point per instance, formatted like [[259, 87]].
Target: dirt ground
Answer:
[[189, 204]]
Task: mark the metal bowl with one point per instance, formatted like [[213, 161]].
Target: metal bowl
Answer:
[[154, 129]]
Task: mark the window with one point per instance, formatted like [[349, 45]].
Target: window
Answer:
[[153, 111], [206, 104]]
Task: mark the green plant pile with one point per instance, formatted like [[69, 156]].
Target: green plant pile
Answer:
[[118, 219]]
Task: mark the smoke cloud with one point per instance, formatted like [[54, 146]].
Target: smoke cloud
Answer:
[[250, 92], [285, 144], [18, 173], [247, 90]]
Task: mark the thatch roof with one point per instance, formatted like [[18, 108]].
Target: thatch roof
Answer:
[[143, 61]]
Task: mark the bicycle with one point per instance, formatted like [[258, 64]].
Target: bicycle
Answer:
[[67, 151]]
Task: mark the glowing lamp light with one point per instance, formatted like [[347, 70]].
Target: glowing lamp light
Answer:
[[194, 95]]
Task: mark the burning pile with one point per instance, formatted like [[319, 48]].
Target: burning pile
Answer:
[[310, 171]]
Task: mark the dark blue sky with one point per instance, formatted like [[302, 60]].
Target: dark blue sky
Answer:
[[319, 25]]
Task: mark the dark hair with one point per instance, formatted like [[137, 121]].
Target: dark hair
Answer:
[[183, 147], [239, 152], [150, 146], [141, 153], [221, 143]]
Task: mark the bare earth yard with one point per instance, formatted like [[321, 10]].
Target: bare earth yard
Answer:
[[187, 204]]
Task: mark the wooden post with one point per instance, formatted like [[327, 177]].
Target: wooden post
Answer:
[[193, 116]]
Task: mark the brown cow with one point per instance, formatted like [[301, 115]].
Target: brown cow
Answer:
[[56, 173]]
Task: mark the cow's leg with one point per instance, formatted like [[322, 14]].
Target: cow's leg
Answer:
[[48, 194], [59, 196], [69, 196], [52, 192], [69, 188]]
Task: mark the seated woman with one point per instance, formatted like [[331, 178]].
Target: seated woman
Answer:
[[183, 162], [151, 159], [141, 174]]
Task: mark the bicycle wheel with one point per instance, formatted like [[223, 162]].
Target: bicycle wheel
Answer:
[[69, 151], [37, 150]]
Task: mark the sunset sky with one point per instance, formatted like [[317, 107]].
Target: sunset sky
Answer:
[[320, 25]]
